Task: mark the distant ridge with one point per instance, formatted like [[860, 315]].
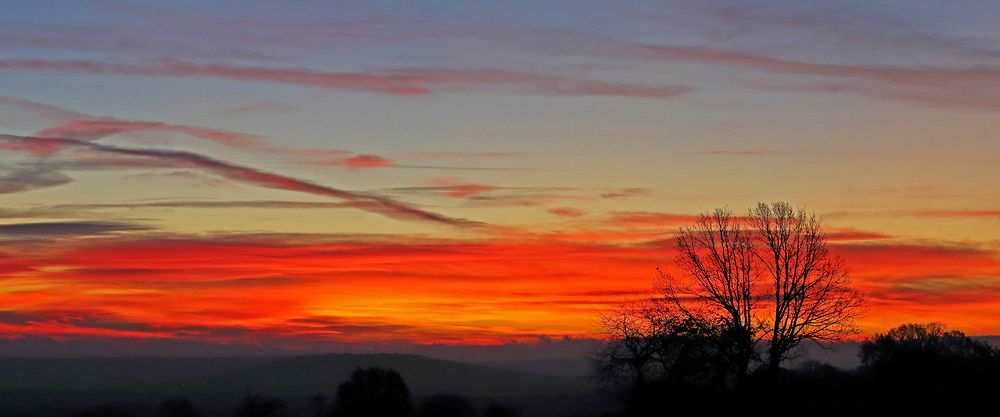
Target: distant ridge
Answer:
[[304, 375], [69, 384]]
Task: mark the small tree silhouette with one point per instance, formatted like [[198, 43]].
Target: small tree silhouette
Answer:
[[373, 392]]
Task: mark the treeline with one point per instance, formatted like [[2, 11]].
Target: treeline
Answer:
[[911, 370], [371, 392]]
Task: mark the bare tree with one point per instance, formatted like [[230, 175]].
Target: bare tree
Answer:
[[769, 276], [809, 291], [630, 350], [652, 349], [717, 255]]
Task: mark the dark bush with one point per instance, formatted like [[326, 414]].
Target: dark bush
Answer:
[[373, 392]]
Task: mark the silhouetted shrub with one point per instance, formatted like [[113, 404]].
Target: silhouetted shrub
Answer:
[[179, 407], [373, 392], [446, 405], [927, 369], [254, 405]]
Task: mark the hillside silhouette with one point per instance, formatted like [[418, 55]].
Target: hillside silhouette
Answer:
[[58, 387]]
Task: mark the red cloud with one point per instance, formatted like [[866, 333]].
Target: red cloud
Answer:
[[505, 289], [364, 161]]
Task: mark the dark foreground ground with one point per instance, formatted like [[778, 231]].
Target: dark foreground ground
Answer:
[[64, 387]]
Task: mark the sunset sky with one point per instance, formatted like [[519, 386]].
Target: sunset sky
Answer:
[[300, 175]]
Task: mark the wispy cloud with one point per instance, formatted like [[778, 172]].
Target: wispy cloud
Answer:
[[261, 106], [446, 155], [960, 214], [842, 24], [90, 129], [377, 204], [363, 162], [398, 82], [27, 177], [565, 212], [454, 187], [758, 152], [625, 193], [74, 125], [207, 204], [981, 214], [66, 229]]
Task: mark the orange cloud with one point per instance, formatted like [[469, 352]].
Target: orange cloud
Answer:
[[415, 290]]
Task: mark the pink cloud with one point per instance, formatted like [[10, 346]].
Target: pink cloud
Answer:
[[364, 161]]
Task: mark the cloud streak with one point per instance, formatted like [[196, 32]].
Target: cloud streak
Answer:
[[51, 229], [27, 177], [91, 129], [398, 82], [74, 125], [565, 212], [377, 204]]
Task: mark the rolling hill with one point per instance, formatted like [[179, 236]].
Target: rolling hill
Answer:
[[69, 384]]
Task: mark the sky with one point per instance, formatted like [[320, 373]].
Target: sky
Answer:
[[312, 176]]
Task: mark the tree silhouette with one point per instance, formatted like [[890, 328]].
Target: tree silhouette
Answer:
[[810, 293], [769, 276], [717, 254], [653, 352], [628, 355], [373, 392]]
